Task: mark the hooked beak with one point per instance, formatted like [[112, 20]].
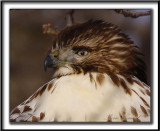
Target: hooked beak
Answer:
[[50, 62]]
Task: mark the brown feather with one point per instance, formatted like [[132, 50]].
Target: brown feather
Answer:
[[109, 119], [100, 79], [143, 110], [43, 89], [102, 38], [26, 108], [144, 102], [50, 86], [34, 119], [16, 110], [91, 77], [134, 111], [123, 117], [136, 120], [42, 115], [148, 92], [115, 79], [135, 91], [123, 84], [12, 120]]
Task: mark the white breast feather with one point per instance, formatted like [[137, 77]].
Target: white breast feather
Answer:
[[77, 98]]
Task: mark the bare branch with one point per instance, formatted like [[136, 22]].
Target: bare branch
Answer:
[[69, 17], [133, 14], [47, 29]]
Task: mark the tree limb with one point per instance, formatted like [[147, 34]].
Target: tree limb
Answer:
[[133, 14]]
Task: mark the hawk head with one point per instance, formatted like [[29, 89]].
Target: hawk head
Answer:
[[95, 46]]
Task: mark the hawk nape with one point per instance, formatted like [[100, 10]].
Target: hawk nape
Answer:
[[98, 77]]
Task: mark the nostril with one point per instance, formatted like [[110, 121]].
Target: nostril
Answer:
[[55, 56]]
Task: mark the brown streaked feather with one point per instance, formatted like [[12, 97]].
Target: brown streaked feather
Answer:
[[123, 117], [119, 48], [12, 120], [134, 111], [23, 120], [142, 92], [135, 91], [50, 86], [26, 108], [109, 118], [123, 111], [144, 102], [139, 83], [34, 119], [136, 120], [130, 80], [115, 79], [123, 84], [16, 110], [145, 85], [113, 41], [55, 85], [77, 69], [100, 79], [91, 77], [103, 39], [43, 89], [52, 91], [42, 115], [148, 92], [144, 110]]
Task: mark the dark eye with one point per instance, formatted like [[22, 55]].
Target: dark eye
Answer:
[[82, 53]]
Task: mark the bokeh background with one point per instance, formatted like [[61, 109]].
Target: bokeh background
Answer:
[[29, 46]]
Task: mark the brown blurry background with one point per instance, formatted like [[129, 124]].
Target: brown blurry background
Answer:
[[29, 46]]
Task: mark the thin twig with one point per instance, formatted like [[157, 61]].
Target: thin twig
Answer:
[[69, 17], [133, 14]]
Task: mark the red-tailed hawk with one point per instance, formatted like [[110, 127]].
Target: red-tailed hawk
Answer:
[[98, 77]]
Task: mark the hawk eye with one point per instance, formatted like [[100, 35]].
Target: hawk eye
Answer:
[[82, 53], [82, 50]]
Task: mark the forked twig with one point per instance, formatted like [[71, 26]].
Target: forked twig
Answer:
[[47, 29]]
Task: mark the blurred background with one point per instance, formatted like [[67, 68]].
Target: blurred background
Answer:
[[29, 46]]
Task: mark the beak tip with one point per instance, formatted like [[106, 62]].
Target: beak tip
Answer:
[[49, 62]]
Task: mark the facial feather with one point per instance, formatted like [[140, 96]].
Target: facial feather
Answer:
[[109, 49]]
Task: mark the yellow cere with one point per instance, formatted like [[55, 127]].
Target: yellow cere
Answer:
[[55, 53]]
